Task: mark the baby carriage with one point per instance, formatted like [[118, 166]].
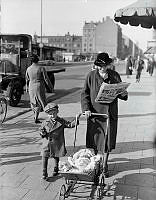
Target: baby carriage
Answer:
[[93, 175]]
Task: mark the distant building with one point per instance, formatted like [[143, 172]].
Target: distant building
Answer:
[[102, 36], [151, 46], [109, 37], [127, 47], [89, 38], [72, 44]]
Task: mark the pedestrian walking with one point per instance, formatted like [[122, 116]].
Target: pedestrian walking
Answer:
[[96, 126], [36, 81], [139, 68], [52, 132], [129, 66], [151, 67]]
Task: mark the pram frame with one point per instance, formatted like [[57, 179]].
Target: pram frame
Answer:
[[96, 177]]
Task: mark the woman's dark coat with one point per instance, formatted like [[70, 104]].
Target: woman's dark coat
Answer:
[[52, 132], [129, 65], [95, 136]]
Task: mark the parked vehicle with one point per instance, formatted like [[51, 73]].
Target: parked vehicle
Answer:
[[16, 51]]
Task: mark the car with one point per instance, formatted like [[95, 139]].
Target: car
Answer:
[[47, 62]]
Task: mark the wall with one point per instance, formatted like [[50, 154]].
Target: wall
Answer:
[[107, 37]]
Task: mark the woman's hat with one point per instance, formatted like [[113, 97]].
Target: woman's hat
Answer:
[[35, 58], [103, 59], [50, 106]]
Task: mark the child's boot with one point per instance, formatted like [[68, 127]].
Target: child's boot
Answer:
[[45, 164], [45, 174]]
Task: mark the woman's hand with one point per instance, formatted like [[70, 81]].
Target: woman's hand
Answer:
[[123, 94], [88, 113]]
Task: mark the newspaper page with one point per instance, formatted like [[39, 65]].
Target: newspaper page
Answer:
[[108, 92]]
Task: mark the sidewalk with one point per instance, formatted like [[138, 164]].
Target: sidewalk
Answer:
[[132, 164]]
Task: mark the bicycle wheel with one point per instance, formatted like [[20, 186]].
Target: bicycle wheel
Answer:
[[3, 109]]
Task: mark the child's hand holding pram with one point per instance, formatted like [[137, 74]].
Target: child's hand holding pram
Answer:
[[43, 132]]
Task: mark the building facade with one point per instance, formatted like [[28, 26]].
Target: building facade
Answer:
[[89, 38], [102, 36], [71, 43]]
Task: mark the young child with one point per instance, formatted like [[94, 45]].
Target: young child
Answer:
[[52, 132]]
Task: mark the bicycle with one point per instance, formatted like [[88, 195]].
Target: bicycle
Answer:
[[3, 108]]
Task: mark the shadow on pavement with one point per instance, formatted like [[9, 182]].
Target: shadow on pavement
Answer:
[[139, 93], [24, 125], [25, 103], [128, 189], [62, 93], [136, 115], [54, 178], [23, 160]]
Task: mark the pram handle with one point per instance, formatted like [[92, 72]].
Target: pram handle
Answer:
[[96, 114]]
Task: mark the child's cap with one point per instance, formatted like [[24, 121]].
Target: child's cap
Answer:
[[50, 106]]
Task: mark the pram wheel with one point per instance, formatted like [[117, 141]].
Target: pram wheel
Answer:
[[102, 180], [62, 192], [100, 190]]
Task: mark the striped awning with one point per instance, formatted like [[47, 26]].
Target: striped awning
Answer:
[[142, 12]]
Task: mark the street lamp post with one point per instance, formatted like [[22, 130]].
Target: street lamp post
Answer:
[[41, 44]]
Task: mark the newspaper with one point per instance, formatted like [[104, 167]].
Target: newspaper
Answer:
[[108, 92]]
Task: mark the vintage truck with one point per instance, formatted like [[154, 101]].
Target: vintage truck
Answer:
[[16, 52]]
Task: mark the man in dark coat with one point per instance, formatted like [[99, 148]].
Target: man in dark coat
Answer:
[[96, 125], [129, 66], [139, 68]]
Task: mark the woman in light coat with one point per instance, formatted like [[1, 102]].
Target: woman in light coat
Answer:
[[36, 80]]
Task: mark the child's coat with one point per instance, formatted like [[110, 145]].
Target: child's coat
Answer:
[[52, 133]]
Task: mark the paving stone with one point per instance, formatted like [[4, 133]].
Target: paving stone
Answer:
[[140, 179], [123, 192], [9, 193], [146, 193]]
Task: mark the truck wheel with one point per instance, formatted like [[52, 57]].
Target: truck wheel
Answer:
[[52, 80], [14, 92]]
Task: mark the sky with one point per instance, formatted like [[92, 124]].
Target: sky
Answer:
[[62, 16]]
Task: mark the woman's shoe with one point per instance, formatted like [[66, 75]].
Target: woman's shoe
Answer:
[[55, 171], [45, 176], [106, 172]]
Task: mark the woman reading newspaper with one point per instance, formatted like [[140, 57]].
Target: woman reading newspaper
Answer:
[[96, 125]]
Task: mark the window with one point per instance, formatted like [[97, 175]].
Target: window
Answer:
[[74, 45]]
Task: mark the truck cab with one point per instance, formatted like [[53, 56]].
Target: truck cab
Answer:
[[15, 57]]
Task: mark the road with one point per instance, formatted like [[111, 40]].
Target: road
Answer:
[[70, 81]]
